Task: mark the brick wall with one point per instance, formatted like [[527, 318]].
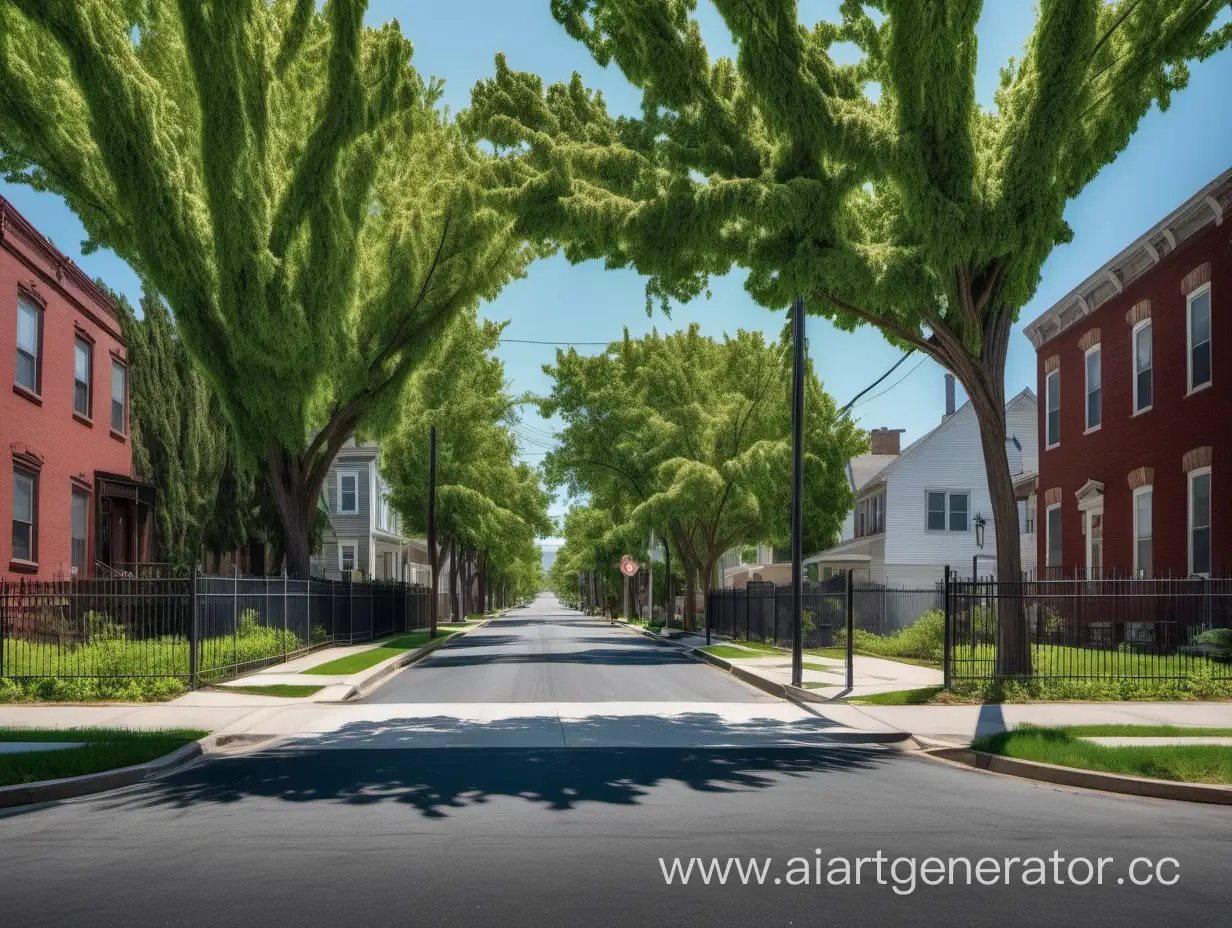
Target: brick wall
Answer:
[[71, 449], [1159, 438]]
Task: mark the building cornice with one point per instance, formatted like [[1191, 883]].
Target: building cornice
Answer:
[[13, 225], [1210, 205]]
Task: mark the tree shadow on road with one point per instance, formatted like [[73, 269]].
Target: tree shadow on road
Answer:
[[341, 766]]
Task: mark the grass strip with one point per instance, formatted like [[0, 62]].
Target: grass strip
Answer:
[[362, 660], [102, 749], [729, 652], [840, 654], [918, 697], [287, 690], [1064, 747]]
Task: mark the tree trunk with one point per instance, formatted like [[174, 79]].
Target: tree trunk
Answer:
[[483, 592], [293, 491], [1013, 639], [690, 595], [453, 580]]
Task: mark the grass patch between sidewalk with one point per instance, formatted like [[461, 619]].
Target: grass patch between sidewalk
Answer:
[[103, 749], [918, 697], [362, 660], [287, 690], [728, 652], [1064, 747]]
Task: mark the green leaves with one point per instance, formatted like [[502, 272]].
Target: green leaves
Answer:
[[689, 436]]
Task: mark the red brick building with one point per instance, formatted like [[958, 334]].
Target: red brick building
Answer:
[[1135, 388], [66, 485]]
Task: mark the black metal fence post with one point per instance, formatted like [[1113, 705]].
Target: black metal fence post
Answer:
[[850, 626], [948, 655], [194, 633]]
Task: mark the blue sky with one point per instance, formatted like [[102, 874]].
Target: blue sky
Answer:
[[1171, 155]]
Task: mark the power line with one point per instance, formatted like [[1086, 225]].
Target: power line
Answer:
[[532, 341], [895, 383], [897, 363]]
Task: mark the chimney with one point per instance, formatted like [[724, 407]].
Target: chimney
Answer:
[[884, 441], [949, 396]]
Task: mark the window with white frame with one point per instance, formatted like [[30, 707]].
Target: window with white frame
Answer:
[[870, 515], [348, 556], [1094, 388], [1142, 531], [1198, 324], [25, 515], [119, 395], [947, 510], [1053, 530], [1200, 521], [348, 493], [83, 361], [1052, 386], [29, 338], [1143, 366]]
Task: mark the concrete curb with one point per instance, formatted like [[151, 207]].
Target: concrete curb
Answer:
[[792, 694], [22, 794], [1085, 779], [393, 665]]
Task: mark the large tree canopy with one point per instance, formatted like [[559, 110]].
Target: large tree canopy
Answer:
[[285, 178], [910, 207], [690, 436], [487, 503]]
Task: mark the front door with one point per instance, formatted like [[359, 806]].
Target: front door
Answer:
[[1095, 543]]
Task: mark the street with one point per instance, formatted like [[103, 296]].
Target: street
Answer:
[[540, 822]]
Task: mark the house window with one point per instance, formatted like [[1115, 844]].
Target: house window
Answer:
[[25, 515], [946, 510], [348, 493], [1200, 521], [1142, 366], [80, 530], [1094, 391], [83, 361], [870, 515], [119, 395], [347, 553], [1052, 386], [1053, 551], [1199, 326], [29, 339], [1142, 531]]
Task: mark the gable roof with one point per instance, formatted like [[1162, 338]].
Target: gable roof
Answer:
[[1026, 394], [863, 468]]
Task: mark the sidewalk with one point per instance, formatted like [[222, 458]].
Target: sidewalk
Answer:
[[872, 674]]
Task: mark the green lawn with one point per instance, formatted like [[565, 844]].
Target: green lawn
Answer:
[[1064, 747], [289, 690], [822, 668], [362, 660], [103, 749], [1060, 661], [841, 655], [917, 697], [728, 652]]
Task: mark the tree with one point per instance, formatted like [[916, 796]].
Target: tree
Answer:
[[182, 442], [286, 179], [690, 436], [912, 208], [487, 504]]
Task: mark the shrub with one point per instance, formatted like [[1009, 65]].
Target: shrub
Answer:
[[319, 635], [923, 640], [1219, 640], [99, 627]]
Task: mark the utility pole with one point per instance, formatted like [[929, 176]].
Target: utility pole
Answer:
[[797, 491], [433, 559], [650, 579]]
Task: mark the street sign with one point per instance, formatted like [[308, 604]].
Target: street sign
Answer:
[[628, 566]]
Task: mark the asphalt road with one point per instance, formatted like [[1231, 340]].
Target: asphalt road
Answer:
[[304, 836], [548, 654]]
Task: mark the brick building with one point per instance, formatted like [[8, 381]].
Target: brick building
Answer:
[[66, 486], [1135, 384]]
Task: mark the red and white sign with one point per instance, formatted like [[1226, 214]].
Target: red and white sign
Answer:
[[628, 566]]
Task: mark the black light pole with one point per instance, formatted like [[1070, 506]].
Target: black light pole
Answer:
[[432, 558], [671, 603], [797, 490]]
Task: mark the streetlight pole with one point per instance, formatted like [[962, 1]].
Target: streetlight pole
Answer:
[[797, 491], [432, 556]]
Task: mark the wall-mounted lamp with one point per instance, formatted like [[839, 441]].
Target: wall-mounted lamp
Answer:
[[979, 530]]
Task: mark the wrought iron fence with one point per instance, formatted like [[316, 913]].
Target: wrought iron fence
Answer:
[[1142, 629], [761, 611], [197, 628]]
